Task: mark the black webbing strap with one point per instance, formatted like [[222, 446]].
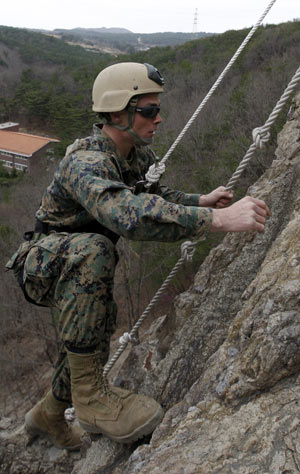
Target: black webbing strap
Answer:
[[92, 227]]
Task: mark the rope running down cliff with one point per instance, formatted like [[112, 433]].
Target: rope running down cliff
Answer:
[[153, 175], [261, 136]]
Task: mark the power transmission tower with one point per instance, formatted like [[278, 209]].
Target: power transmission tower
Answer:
[[195, 24]]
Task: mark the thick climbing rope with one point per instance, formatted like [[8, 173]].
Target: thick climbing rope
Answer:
[[153, 175], [261, 135], [187, 253], [156, 170]]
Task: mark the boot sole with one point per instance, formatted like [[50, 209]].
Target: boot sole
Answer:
[[139, 432], [33, 430]]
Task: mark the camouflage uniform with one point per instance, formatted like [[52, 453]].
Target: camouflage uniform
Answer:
[[92, 196]]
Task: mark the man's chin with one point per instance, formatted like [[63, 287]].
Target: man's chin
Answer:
[[146, 141], [139, 140]]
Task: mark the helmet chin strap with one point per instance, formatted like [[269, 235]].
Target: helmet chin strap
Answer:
[[129, 127], [139, 140]]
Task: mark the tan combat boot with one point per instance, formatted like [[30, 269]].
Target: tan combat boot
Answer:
[[47, 418], [102, 408]]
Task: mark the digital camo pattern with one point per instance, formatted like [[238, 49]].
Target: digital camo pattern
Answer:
[[74, 271], [94, 182]]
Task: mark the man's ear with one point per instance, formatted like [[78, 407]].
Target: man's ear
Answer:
[[116, 117]]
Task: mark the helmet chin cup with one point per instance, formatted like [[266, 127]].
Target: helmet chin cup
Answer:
[[139, 140]]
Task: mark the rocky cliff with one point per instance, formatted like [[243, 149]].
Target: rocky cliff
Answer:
[[224, 362]]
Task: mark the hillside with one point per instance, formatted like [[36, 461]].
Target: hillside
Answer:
[[45, 84], [33, 49]]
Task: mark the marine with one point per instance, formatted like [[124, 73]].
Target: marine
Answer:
[[98, 194]]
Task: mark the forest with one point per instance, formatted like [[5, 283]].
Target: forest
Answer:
[[46, 87]]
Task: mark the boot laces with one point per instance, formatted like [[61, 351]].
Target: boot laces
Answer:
[[104, 386]]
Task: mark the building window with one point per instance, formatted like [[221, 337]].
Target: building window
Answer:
[[11, 155], [21, 157], [20, 167], [9, 164], [6, 153]]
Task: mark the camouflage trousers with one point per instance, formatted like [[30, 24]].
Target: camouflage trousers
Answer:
[[74, 273]]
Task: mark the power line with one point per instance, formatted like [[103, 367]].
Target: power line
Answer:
[[195, 24]]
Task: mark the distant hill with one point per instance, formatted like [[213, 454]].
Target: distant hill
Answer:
[[98, 30], [120, 40], [21, 49]]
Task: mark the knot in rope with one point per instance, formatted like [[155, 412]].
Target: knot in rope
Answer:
[[260, 137], [188, 250], [70, 414], [125, 339], [154, 173]]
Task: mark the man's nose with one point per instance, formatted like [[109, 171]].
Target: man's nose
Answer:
[[158, 119]]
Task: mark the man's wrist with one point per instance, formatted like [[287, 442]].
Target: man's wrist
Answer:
[[200, 200], [216, 224]]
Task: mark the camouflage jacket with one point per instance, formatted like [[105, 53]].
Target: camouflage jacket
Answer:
[[93, 182]]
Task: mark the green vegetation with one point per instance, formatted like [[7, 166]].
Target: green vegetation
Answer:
[[8, 178], [52, 92], [57, 100], [6, 232], [36, 47]]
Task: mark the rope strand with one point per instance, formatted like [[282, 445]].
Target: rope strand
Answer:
[[154, 173], [261, 135], [187, 253]]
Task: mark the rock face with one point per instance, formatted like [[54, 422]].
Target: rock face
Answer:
[[229, 381], [225, 362]]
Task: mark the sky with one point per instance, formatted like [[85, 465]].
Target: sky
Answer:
[[140, 16]]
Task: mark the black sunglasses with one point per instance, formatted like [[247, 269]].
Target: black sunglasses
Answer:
[[151, 111]]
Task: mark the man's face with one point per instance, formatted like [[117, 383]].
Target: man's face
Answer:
[[146, 127]]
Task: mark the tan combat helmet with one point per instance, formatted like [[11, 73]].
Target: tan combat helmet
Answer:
[[117, 87], [117, 84]]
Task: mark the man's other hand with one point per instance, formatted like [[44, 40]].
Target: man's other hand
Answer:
[[244, 215]]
